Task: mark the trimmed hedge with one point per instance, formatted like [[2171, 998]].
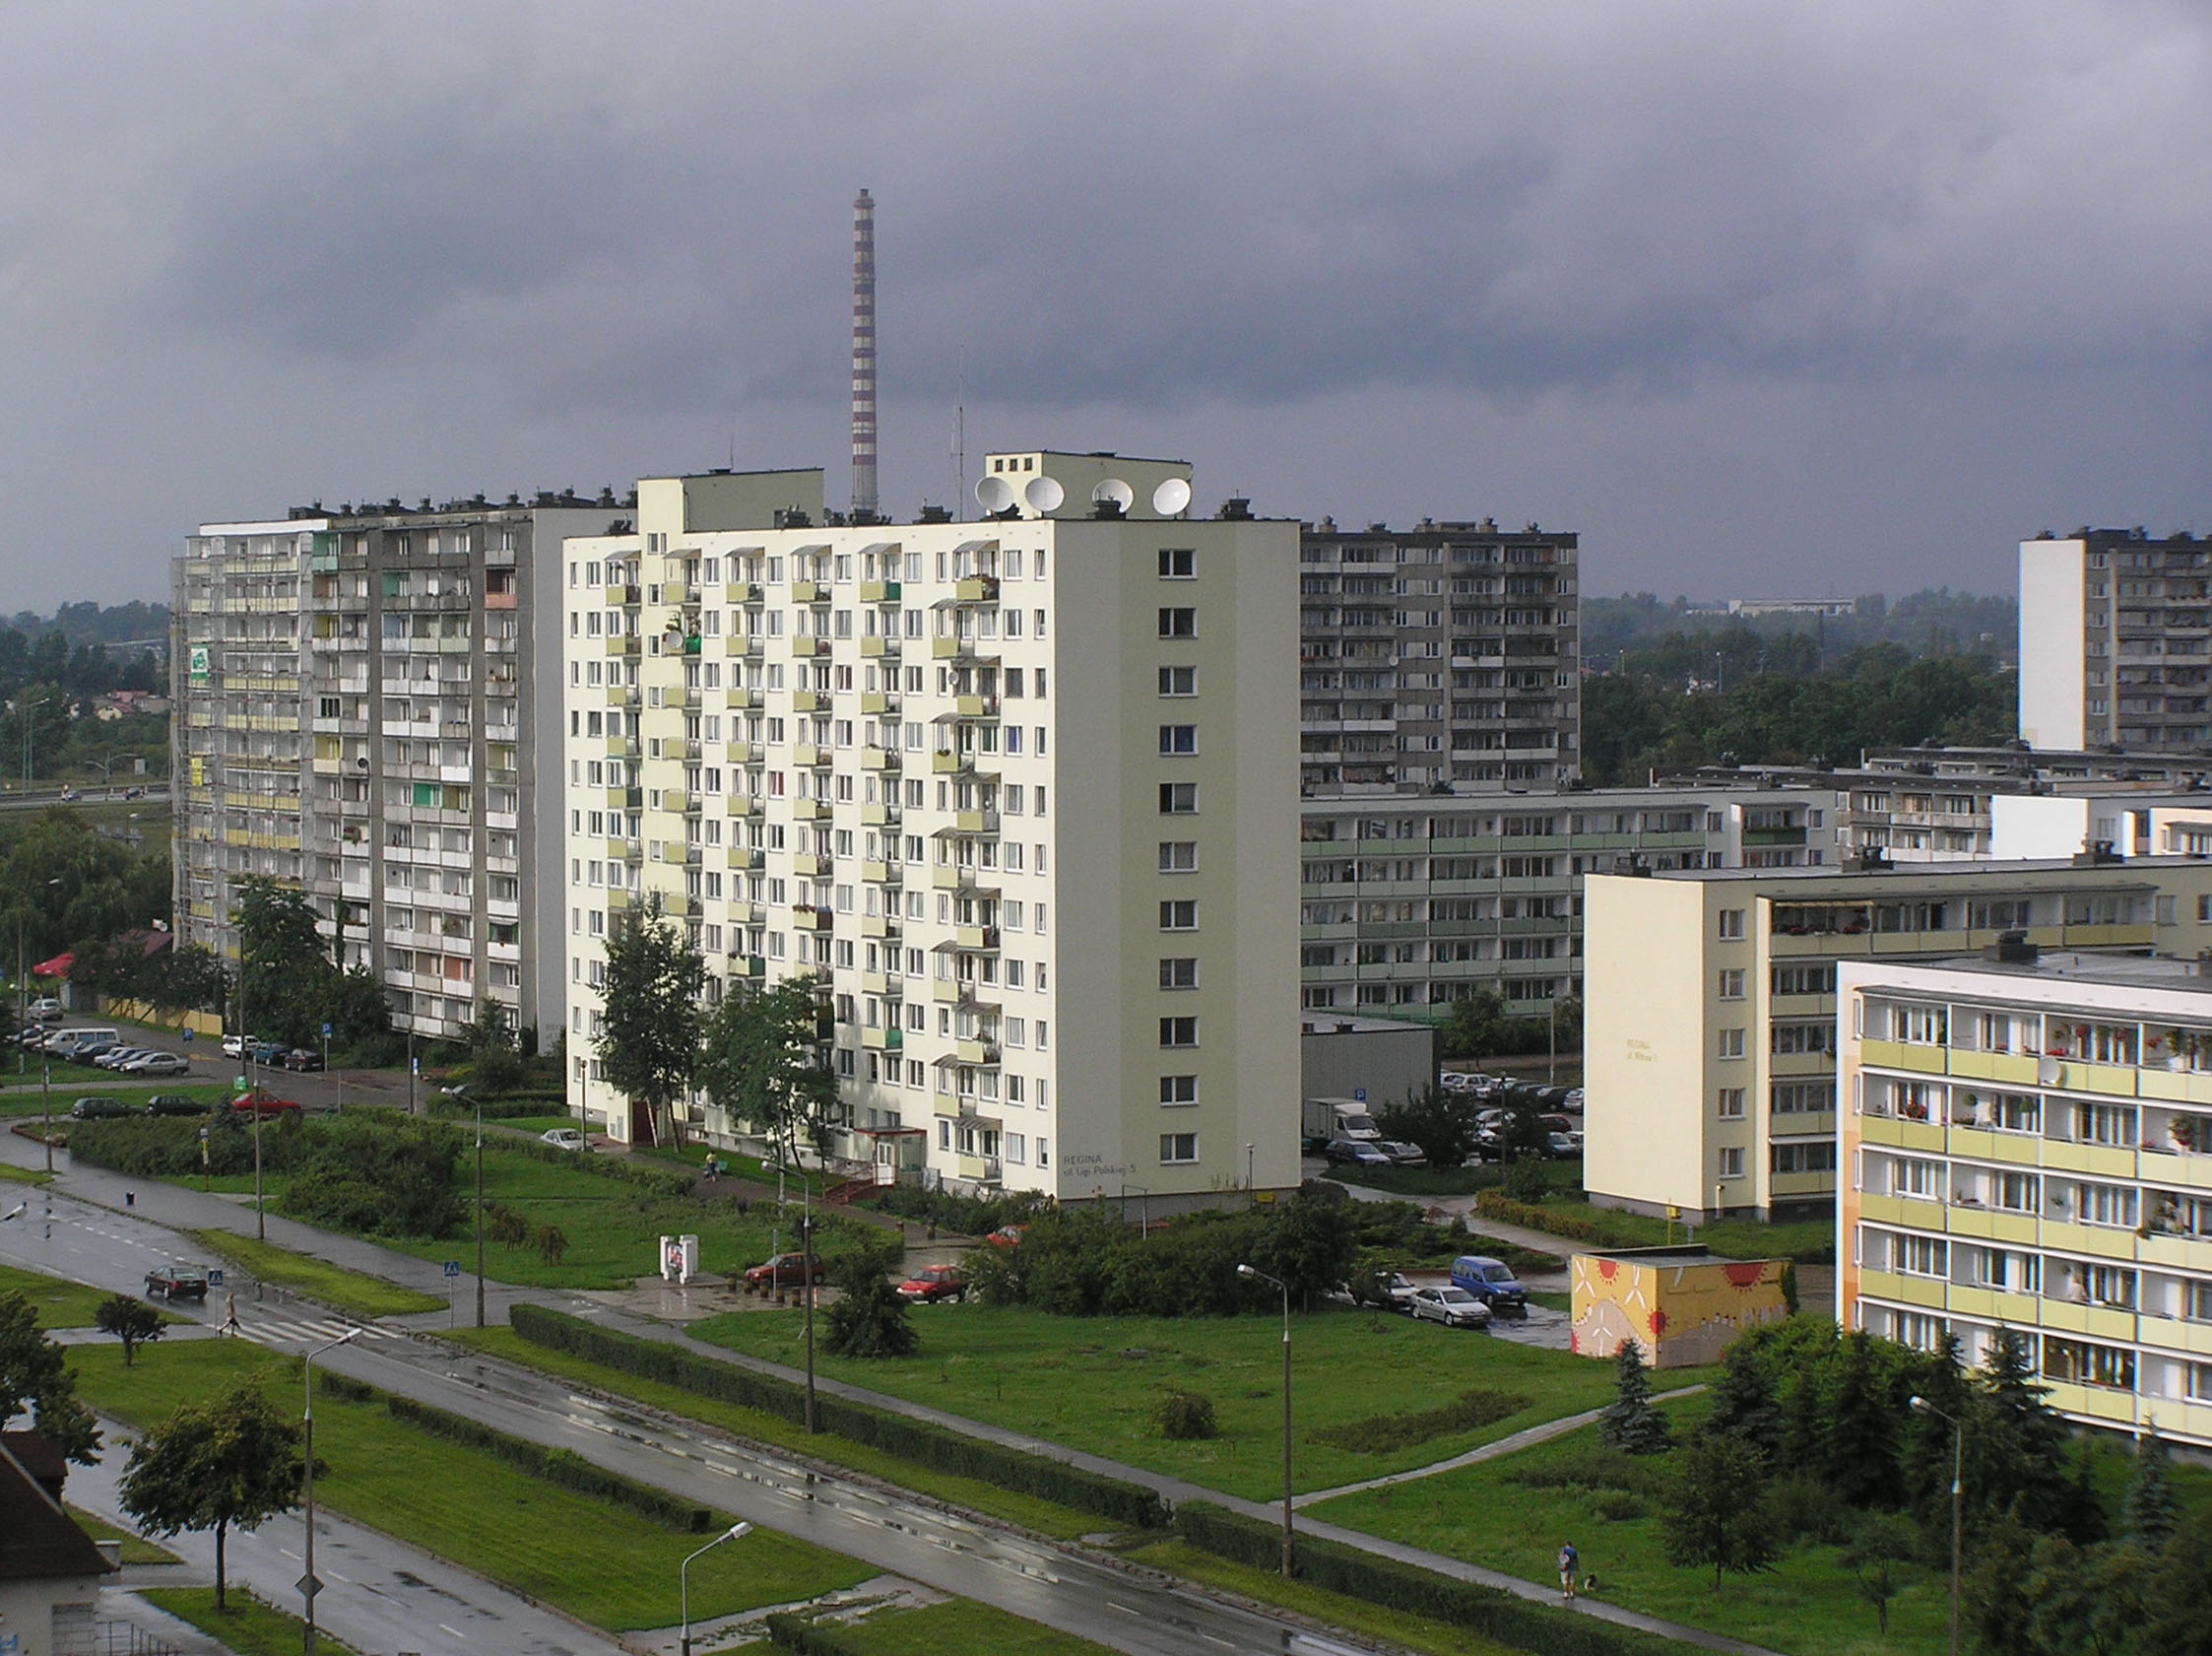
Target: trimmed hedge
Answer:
[[1339, 1568], [1130, 1506], [1495, 1205], [556, 1466], [796, 1632]]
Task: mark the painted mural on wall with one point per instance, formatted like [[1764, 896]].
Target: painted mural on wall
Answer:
[[1682, 1312]]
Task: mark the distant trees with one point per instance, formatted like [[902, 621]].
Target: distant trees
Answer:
[[288, 984]]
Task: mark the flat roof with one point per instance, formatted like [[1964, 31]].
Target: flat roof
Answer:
[[2128, 972], [1843, 875]]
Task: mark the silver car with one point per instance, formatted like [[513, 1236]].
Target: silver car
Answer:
[[1454, 1307]]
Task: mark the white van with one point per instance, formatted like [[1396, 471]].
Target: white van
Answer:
[[67, 1043]]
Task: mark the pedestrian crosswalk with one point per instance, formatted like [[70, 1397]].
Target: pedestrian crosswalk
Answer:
[[303, 1331]]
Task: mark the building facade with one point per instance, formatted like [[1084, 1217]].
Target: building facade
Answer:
[[2116, 641], [2029, 1146], [1447, 654], [1709, 1041], [1410, 902], [1021, 794], [358, 717]]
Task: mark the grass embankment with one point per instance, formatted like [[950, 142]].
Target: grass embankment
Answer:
[[594, 1561], [1511, 1514], [1097, 1383], [25, 1094], [14, 1175], [1043, 1516], [961, 1627], [244, 1626], [54, 1302], [333, 1285], [1389, 1627]]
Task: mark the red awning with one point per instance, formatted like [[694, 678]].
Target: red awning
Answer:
[[58, 967]]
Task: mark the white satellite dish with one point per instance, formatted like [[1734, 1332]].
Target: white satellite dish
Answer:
[[1171, 496], [1116, 493], [994, 494], [1044, 494]]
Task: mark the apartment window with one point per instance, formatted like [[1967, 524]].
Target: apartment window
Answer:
[[1179, 972], [1179, 623], [1178, 1147], [1179, 799], [2085, 1364], [1728, 1103], [1179, 1031], [1179, 1088], [1179, 856], [1179, 680], [1179, 739], [1922, 1256], [1181, 916], [1732, 923], [1179, 564], [1732, 984], [1814, 1157], [1732, 1164], [1728, 1043], [1914, 1175]]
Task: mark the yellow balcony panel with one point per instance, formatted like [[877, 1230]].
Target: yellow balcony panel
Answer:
[[975, 1050], [2111, 937], [2019, 1149], [1898, 1211], [878, 925], [976, 589], [880, 759], [622, 646], [879, 814], [1900, 1055], [943, 649], [808, 592], [2106, 1162], [2179, 1087], [944, 762], [2103, 1404], [809, 919], [2175, 1169], [806, 865], [744, 805], [878, 701], [808, 647], [976, 707], [743, 592], [874, 645], [2011, 1069], [879, 873], [2092, 1322], [747, 858], [738, 697], [1791, 1188], [951, 877], [982, 938], [1923, 1136], [975, 822], [945, 990], [2096, 1240], [884, 1041], [810, 702], [875, 982], [2173, 1334], [810, 756], [879, 592], [809, 810], [617, 900]]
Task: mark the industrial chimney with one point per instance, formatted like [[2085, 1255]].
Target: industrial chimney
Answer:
[[864, 360]]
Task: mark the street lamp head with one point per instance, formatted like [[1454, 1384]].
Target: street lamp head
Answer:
[[347, 1338], [1922, 1404], [741, 1527], [1246, 1271]]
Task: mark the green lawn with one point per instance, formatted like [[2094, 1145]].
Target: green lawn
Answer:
[[1391, 1627], [1095, 1383], [134, 1549], [23, 1175], [1060, 1522], [961, 1627], [244, 1624], [56, 1304], [1560, 1176], [1803, 1239], [333, 1285], [599, 1563], [72, 1082], [1807, 1607]]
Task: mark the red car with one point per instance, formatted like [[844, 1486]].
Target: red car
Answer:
[[1007, 1237], [263, 1105], [934, 1283], [785, 1270]]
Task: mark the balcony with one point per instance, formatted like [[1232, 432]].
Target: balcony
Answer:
[[809, 864], [884, 1041], [748, 965], [808, 647], [747, 858], [744, 805], [976, 589], [809, 701], [807, 918], [876, 872], [741, 699], [876, 702], [626, 645], [631, 851], [975, 822], [954, 877], [879, 592], [810, 810], [621, 695], [810, 592], [624, 595], [976, 707], [751, 647], [984, 938], [878, 925], [879, 645], [876, 983], [882, 814], [976, 1050], [743, 592], [880, 759]]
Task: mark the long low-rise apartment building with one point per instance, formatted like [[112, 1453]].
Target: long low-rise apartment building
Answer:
[[1709, 1041], [2029, 1146]]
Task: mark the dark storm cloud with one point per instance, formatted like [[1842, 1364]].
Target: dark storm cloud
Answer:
[[1725, 257]]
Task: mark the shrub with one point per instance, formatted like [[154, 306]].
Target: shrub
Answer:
[[1493, 1204], [791, 1631], [1526, 1181], [1340, 1568], [1186, 1414], [1130, 1506]]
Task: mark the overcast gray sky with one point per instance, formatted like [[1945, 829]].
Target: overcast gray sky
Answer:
[[1764, 298]]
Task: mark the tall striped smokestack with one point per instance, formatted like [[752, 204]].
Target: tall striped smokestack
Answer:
[[864, 359]]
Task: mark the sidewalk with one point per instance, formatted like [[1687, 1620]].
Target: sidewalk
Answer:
[[171, 1205]]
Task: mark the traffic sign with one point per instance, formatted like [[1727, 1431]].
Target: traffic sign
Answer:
[[307, 1586], [453, 1267], [186, 1034], [1359, 1094], [215, 1277], [326, 1031]]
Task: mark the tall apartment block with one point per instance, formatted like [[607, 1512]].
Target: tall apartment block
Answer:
[[1443, 654], [2116, 641], [358, 716], [2029, 1146], [1409, 902], [1019, 793], [1709, 1039]]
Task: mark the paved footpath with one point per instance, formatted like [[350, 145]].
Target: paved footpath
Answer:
[[185, 1208]]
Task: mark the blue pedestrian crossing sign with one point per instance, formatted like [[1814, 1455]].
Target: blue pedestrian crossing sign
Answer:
[[453, 1267], [215, 1279]]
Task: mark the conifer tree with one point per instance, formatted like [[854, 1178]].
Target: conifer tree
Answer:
[[1630, 1424]]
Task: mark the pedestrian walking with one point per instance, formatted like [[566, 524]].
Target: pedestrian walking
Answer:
[[1568, 1563], [230, 1324]]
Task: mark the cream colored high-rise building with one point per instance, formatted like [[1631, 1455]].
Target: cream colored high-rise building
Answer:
[[2116, 641], [1022, 793], [1709, 1041]]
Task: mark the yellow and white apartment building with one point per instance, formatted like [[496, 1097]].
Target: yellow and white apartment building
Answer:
[[1710, 1036], [1022, 794], [2028, 1144]]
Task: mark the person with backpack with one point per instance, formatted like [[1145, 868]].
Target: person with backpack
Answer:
[[1568, 1561]]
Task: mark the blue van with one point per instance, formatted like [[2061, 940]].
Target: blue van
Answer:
[[1490, 1281]]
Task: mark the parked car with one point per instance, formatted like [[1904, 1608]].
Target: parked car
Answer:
[[1007, 1237], [1401, 1153], [262, 1103], [1562, 1147], [1454, 1307], [1573, 1102], [1490, 1281], [100, 1110], [157, 1063], [176, 1282], [271, 1054], [1393, 1290], [86, 1049], [116, 1057], [45, 1009], [174, 1104], [565, 1138], [1357, 1153], [304, 1058], [785, 1269], [233, 1046], [934, 1283]]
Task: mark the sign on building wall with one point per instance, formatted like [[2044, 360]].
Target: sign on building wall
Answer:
[[196, 664]]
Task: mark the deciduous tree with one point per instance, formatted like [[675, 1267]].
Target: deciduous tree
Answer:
[[232, 1462], [649, 1042], [132, 1321], [764, 1063], [1715, 1510], [34, 1377]]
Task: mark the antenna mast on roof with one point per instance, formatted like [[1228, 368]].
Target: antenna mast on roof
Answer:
[[960, 435], [864, 360]]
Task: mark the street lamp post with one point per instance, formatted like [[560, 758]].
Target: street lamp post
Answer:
[[683, 1579], [308, 1586], [1958, 1485], [1262, 1275]]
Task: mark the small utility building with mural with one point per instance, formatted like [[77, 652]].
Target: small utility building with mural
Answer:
[[1682, 1305]]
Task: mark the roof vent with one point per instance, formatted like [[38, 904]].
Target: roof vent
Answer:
[[2098, 853], [2013, 949], [1235, 509]]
